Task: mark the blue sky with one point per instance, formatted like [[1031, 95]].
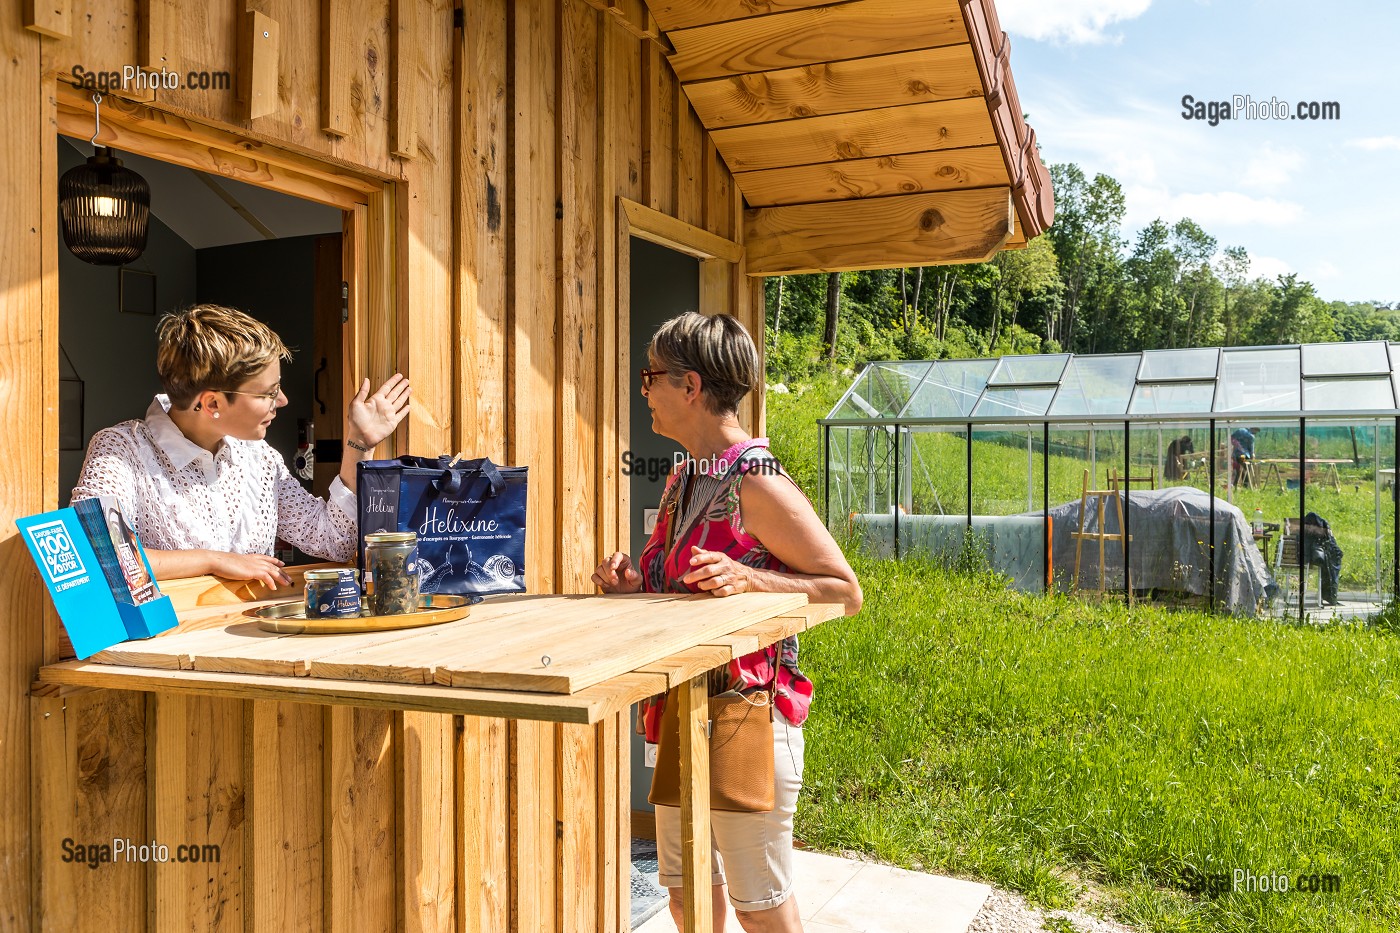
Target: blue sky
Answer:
[[1102, 82]]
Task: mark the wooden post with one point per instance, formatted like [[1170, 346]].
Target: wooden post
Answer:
[[695, 804]]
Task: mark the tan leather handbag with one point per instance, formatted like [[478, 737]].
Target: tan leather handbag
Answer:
[[741, 754]]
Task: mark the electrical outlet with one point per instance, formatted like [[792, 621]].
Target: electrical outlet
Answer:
[[649, 755], [649, 520]]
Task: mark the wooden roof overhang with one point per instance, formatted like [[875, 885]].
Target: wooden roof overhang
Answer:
[[863, 134]]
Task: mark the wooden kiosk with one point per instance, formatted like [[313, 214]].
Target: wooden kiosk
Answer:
[[492, 160]]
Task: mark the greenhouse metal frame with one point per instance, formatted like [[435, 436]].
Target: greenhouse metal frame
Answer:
[[1330, 386]]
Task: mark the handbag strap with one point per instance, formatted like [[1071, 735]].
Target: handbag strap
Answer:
[[455, 472]]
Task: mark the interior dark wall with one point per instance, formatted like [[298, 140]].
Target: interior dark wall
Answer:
[[274, 281], [664, 283], [114, 353]]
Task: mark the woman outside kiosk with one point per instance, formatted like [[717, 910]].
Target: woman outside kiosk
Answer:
[[197, 480], [736, 524]]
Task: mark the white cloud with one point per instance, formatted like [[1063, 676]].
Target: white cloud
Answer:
[[1072, 21], [1324, 270], [1210, 209], [1267, 267], [1271, 167], [1375, 143]]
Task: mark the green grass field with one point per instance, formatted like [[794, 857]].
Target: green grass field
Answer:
[[1042, 742], [1053, 746]]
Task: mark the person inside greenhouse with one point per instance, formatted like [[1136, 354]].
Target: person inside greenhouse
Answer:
[[1241, 452], [1321, 548], [1176, 454]]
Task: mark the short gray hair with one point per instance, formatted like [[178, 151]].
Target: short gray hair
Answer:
[[717, 348]]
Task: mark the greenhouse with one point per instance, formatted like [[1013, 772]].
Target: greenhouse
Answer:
[[1255, 480]]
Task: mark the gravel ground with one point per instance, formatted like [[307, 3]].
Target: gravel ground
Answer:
[[1005, 912]]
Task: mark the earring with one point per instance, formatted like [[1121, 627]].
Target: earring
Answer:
[[198, 406], [216, 414]]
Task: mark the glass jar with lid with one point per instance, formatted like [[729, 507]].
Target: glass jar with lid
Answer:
[[332, 593], [391, 572]]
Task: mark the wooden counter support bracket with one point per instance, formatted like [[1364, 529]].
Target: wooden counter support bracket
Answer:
[[695, 804]]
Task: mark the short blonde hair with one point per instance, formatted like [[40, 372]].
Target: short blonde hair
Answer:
[[212, 347], [717, 348]]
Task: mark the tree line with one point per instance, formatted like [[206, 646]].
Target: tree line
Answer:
[[1082, 287]]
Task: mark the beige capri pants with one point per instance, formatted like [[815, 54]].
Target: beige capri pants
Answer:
[[751, 851]]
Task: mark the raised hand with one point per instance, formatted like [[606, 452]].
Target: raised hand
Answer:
[[374, 417]]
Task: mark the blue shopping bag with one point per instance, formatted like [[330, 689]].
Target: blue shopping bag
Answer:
[[469, 516]]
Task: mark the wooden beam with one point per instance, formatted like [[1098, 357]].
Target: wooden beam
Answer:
[[914, 230], [882, 176], [196, 750], [888, 131], [360, 819], [682, 14], [695, 804], [224, 144], [586, 706], [665, 230], [48, 18], [335, 67], [577, 387], [404, 42], [806, 37], [533, 426], [158, 35], [283, 883], [29, 357], [257, 64], [426, 744], [240, 168], [482, 221], [483, 869], [916, 77]]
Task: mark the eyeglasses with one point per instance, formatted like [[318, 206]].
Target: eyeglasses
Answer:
[[650, 374], [269, 396]]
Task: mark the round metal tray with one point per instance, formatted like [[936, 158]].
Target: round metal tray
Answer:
[[289, 618]]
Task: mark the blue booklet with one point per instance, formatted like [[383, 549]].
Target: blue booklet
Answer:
[[97, 611]]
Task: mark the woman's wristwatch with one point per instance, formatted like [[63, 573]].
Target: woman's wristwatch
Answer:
[[357, 445]]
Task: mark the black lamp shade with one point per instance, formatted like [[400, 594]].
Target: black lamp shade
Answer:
[[104, 210]]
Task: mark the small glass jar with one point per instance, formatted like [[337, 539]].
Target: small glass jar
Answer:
[[332, 594], [391, 572]]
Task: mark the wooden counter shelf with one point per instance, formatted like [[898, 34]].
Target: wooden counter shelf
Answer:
[[502, 782]]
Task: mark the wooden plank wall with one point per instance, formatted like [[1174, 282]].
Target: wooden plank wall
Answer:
[[504, 141]]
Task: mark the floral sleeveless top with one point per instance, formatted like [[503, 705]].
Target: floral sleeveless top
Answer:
[[711, 519]]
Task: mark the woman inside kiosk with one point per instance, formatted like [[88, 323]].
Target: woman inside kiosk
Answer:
[[197, 480]]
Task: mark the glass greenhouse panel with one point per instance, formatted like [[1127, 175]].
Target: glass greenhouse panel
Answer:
[[1000, 403], [1348, 394], [950, 390], [1176, 398], [1345, 359], [896, 383], [1259, 380], [1096, 385], [1179, 364], [1007, 531], [1020, 370]]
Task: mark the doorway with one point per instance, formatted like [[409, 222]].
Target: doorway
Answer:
[[664, 283]]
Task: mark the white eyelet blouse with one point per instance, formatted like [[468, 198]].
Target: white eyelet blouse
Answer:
[[179, 496]]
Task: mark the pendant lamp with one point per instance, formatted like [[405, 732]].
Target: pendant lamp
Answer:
[[104, 208]]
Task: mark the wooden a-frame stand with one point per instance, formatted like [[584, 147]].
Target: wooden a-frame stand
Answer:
[[1099, 534]]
